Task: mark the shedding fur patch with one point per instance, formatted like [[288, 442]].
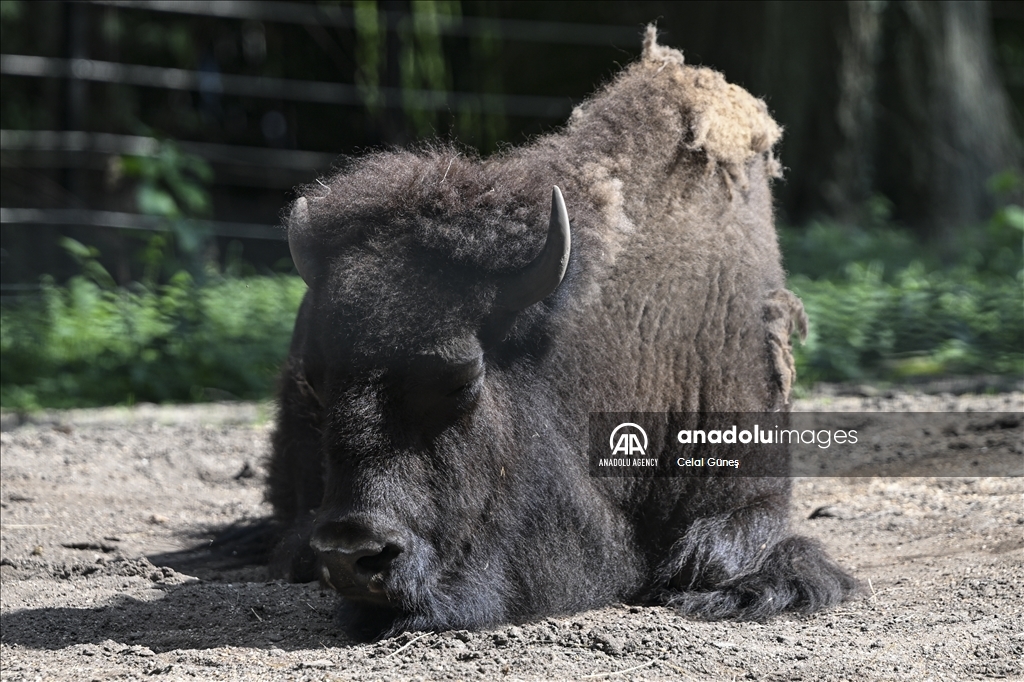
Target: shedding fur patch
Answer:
[[783, 315], [727, 123], [610, 202]]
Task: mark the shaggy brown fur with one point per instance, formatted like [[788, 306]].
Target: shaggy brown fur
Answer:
[[674, 300]]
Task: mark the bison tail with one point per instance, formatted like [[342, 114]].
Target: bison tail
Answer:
[[795, 575]]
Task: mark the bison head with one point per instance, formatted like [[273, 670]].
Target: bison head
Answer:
[[447, 502]]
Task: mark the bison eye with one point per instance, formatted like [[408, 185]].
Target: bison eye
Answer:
[[461, 378], [461, 389], [433, 393]]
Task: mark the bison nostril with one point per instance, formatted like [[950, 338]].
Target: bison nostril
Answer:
[[373, 564], [355, 556]]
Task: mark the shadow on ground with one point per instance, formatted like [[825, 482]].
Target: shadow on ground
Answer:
[[195, 615]]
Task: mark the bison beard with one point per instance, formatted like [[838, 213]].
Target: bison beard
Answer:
[[430, 459]]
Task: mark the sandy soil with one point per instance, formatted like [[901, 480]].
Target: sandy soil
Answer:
[[95, 504]]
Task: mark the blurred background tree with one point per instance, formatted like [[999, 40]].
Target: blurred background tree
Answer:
[[903, 101], [165, 137]]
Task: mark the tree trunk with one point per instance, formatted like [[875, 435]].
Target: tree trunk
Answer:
[[900, 99], [944, 124]]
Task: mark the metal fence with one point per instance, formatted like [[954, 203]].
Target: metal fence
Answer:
[[242, 170]]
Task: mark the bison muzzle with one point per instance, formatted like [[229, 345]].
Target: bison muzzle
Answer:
[[430, 457]]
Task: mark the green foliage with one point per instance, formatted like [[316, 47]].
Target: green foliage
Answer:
[[422, 61], [88, 344], [86, 257], [172, 186], [371, 34], [483, 129], [11, 10], [425, 73], [171, 183], [1008, 187], [924, 323], [883, 306], [824, 250]]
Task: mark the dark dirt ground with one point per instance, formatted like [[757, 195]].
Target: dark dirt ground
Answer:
[[95, 502]]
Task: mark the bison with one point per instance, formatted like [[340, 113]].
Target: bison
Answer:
[[463, 318]]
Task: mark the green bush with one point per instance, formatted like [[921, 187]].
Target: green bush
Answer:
[[922, 324], [882, 305], [889, 308], [85, 344]]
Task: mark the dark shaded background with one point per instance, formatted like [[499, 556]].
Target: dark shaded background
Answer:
[[906, 108]]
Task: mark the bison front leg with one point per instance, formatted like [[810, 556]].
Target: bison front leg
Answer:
[[744, 564], [296, 481]]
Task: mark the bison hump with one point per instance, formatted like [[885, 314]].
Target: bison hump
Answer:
[[726, 122]]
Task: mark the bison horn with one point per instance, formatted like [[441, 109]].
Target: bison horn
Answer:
[[303, 252], [543, 275]]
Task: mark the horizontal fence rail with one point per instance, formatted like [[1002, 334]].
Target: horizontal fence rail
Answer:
[[252, 166], [562, 33], [135, 145], [65, 158], [133, 221], [279, 88]]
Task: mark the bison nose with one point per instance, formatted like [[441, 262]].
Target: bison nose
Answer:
[[354, 557]]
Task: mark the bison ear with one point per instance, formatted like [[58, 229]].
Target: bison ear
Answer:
[[300, 242], [543, 275]]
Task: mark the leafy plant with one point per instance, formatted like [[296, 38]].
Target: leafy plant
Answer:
[[172, 187], [924, 323], [893, 310], [85, 344], [884, 306]]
